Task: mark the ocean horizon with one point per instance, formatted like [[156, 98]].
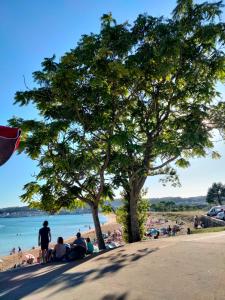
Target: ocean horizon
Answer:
[[23, 232]]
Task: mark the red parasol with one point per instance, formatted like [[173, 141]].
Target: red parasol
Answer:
[[9, 142]]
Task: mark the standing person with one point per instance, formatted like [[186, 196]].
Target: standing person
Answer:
[[20, 254], [44, 238], [196, 221], [174, 230], [169, 229]]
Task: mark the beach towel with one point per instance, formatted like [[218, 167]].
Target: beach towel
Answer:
[[9, 142]]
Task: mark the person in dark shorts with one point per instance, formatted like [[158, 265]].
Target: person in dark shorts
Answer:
[[44, 238]]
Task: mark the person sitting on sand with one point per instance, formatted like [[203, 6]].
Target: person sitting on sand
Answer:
[[157, 235], [196, 222], [80, 241], [78, 248], [59, 251], [90, 247], [44, 238]]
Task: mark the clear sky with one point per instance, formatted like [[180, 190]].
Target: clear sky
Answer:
[[32, 30]]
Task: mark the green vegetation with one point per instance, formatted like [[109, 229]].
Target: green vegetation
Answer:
[[172, 206], [123, 219], [206, 230], [186, 216], [123, 105], [216, 194]]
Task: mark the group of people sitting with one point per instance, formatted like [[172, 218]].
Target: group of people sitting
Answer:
[[61, 251], [67, 252], [169, 231], [77, 250]]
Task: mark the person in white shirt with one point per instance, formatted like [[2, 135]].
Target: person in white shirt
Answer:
[[59, 251]]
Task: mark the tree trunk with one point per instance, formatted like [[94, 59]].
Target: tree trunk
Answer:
[[134, 196], [219, 199], [135, 232], [98, 230]]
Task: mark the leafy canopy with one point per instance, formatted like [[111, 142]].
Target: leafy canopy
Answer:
[[138, 97], [216, 193]]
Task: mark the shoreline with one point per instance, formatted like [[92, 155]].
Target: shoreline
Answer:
[[9, 261]]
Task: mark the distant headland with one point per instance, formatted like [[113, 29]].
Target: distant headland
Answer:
[[25, 211]]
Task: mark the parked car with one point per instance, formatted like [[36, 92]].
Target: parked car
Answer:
[[220, 215], [215, 210]]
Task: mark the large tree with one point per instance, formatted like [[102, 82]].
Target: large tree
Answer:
[[216, 194], [173, 69], [149, 88], [72, 150], [70, 176]]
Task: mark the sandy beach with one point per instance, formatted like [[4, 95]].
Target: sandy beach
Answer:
[[155, 220], [10, 260]]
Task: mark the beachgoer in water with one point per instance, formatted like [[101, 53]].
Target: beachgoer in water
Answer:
[[44, 238], [59, 251], [90, 247]]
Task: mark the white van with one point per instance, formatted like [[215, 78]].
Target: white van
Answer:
[[215, 210]]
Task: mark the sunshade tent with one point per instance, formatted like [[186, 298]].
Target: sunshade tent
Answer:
[[9, 142]]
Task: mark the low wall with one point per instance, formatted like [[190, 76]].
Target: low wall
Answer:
[[211, 222]]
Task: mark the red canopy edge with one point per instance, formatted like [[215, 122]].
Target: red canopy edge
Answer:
[[9, 142]]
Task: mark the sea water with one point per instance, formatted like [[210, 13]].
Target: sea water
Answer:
[[23, 232]]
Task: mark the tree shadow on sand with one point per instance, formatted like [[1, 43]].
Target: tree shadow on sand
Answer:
[[116, 297], [17, 284]]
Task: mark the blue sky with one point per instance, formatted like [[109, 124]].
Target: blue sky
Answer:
[[32, 30]]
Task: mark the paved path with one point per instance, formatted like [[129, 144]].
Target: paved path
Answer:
[[185, 267]]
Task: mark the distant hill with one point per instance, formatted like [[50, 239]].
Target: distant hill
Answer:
[[198, 200], [25, 211]]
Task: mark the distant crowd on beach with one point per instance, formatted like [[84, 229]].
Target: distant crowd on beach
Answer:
[[62, 251], [157, 228], [78, 249]]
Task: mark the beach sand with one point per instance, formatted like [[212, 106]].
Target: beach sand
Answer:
[[111, 225], [10, 260]]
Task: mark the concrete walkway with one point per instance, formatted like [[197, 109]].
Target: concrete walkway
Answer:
[[184, 267]]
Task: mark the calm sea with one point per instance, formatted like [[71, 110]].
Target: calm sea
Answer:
[[23, 232]]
